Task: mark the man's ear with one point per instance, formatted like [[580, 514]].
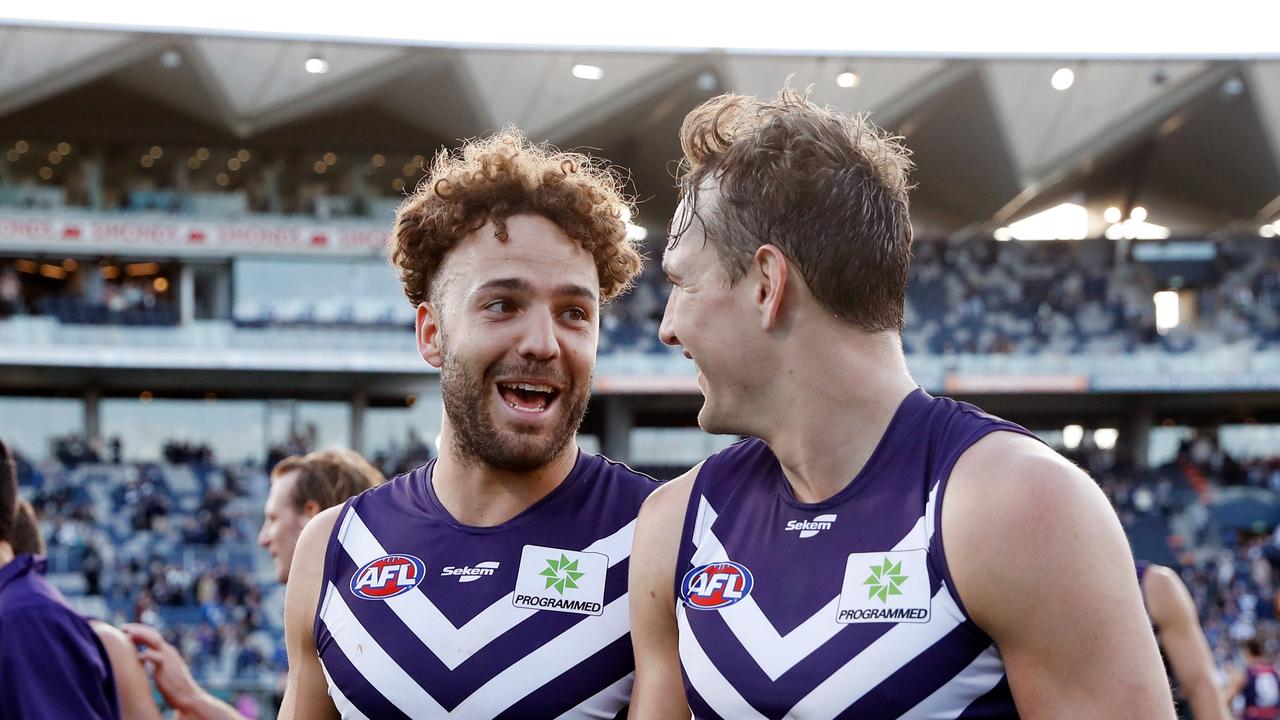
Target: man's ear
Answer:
[[310, 509], [429, 333], [771, 276]]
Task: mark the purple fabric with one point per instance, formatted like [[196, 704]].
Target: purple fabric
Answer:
[[598, 499], [51, 663], [758, 522]]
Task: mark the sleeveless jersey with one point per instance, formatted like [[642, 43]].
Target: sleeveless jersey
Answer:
[[1262, 693], [423, 617], [838, 609]]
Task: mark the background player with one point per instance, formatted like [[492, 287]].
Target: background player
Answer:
[[301, 486], [136, 699], [1182, 642], [1258, 682], [51, 663], [505, 559], [790, 248]]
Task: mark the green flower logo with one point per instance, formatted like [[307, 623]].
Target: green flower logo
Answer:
[[561, 574], [885, 579]]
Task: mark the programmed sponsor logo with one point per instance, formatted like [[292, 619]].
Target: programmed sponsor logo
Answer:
[[716, 585], [809, 528], [470, 573], [561, 580], [387, 577], [885, 587]]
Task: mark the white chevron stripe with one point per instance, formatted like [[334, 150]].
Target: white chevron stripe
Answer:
[[883, 657], [578, 643], [373, 663], [976, 680], [346, 709], [775, 653], [705, 677], [605, 704], [453, 645]]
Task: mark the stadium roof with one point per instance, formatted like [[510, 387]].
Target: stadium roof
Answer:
[[1195, 141]]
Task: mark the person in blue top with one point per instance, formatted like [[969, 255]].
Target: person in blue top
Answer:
[[52, 665]]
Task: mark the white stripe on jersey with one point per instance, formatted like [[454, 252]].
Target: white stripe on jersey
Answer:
[[373, 663], [715, 690], [774, 653], [882, 658], [976, 680], [586, 638], [346, 709], [601, 705], [453, 645]]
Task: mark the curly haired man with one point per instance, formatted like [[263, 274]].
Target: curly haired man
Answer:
[[493, 580]]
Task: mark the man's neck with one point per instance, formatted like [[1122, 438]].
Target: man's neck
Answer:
[[481, 496], [831, 408], [6, 553]]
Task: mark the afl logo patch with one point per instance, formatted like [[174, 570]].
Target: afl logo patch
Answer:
[[387, 577], [715, 586]]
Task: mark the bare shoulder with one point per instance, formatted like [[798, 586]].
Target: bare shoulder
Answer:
[[668, 502], [117, 644], [110, 636], [1166, 596], [1015, 511], [307, 571]]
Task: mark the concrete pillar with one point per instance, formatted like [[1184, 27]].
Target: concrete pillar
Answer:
[[1138, 429], [186, 294], [619, 419], [92, 400], [359, 403]]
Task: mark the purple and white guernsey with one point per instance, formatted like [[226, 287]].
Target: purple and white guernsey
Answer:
[[423, 617], [838, 609]]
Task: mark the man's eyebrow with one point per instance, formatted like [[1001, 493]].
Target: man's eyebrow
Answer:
[[520, 285], [576, 290], [503, 284]]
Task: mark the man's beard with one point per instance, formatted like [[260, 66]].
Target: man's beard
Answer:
[[476, 438]]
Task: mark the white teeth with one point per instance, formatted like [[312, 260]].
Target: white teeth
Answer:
[[531, 387]]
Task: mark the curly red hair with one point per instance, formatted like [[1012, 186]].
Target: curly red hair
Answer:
[[489, 180]]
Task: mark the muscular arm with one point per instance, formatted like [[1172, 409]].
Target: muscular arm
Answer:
[[1041, 564], [306, 696], [658, 693], [173, 678], [132, 686], [1174, 613]]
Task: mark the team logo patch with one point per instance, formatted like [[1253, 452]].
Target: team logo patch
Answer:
[[885, 587], [561, 580], [715, 586], [387, 577]]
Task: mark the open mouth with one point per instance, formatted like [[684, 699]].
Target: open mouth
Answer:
[[527, 397]]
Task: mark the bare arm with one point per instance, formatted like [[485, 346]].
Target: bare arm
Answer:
[[136, 702], [1041, 564], [306, 696], [658, 693], [173, 678], [1174, 613]]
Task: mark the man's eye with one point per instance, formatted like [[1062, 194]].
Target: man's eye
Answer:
[[500, 306], [576, 314]]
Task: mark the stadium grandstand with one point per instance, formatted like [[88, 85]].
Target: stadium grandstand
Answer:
[[193, 286]]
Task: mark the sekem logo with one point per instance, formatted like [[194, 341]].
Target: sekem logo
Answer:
[[387, 577], [809, 528], [715, 586], [468, 573]]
